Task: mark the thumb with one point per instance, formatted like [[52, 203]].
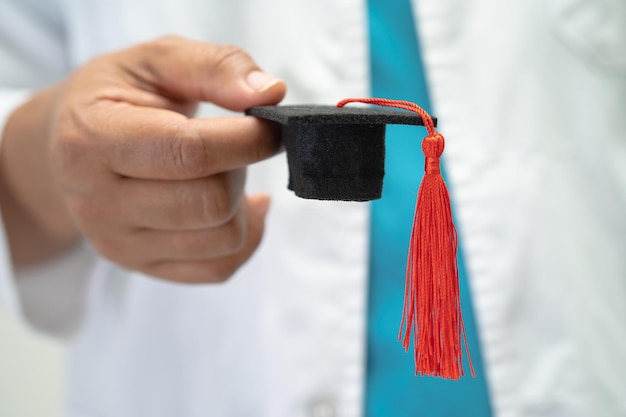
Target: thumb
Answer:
[[189, 70]]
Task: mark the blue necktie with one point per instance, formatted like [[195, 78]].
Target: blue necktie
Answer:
[[392, 390]]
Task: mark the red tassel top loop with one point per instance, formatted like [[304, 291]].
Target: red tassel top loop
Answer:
[[399, 104]]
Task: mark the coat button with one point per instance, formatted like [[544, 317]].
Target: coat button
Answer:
[[322, 408]]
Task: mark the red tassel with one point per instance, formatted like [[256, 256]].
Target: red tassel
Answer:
[[432, 307]]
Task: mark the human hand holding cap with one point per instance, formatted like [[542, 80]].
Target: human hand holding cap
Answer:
[[153, 189]]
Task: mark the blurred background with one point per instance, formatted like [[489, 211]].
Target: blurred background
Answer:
[[31, 372]]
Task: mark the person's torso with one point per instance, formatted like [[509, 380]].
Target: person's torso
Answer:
[[539, 192]]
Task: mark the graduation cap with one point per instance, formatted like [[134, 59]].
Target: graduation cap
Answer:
[[338, 153], [335, 153]]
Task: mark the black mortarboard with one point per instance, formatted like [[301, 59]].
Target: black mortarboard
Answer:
[[335, 153], [338, 153]]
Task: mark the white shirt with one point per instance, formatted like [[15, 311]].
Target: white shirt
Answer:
[[531, 97]]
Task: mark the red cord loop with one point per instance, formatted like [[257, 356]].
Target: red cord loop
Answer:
[[400, 104]]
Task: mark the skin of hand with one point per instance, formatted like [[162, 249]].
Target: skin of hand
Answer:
[[112, 153]]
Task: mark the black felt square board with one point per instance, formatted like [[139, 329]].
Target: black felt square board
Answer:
[[335, 153]]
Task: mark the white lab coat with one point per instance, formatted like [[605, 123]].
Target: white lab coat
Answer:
[[532, 100]]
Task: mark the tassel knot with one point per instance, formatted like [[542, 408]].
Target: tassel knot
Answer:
[[432, 146]]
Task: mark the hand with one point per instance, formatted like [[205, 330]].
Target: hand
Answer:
[[152, 189]]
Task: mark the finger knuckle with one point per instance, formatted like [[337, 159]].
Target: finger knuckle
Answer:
[[226, 56], [68, 139], [185, 151], [191, 244], [216, 204]]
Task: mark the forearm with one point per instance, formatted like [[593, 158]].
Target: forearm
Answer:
[[37, 223]]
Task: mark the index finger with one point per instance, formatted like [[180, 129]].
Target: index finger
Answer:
[[149, 143]]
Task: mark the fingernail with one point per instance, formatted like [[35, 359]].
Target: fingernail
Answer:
[[259, 203], [260, 81], [264, 206]]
